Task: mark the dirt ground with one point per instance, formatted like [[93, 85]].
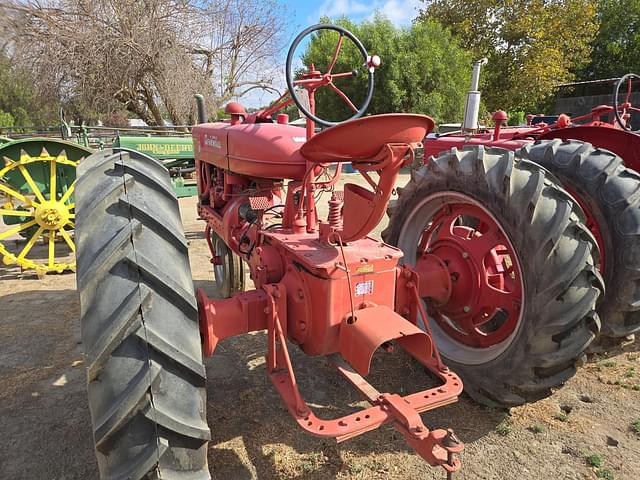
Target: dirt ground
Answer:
[[584, 431]]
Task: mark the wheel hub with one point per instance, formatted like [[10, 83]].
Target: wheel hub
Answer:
[[464, 269], [52, 215], [486, 298]]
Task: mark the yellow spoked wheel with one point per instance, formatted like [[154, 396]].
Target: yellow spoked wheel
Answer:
[[38, 211]]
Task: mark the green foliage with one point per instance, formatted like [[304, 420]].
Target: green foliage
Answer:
[[616, 48], [536, 428], [6, 119], [607, 363], [221, 114], [532, 45], [561, 416], [636, 426], [604, 473], [595, 460], [423, 70], [517, 118], [19, 104], [504, 428]]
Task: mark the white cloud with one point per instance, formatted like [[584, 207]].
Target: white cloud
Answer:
[[400, 13], [338, 8]]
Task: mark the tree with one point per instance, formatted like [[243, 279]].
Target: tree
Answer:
[[150, 56], [6, 119], [18, 97], [616, 48], [423, 69], [532, 45]]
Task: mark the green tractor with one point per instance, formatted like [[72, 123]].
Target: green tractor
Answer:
[[37, 179], [175, 153], [36, 203]]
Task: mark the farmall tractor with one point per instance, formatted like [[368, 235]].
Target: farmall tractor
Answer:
[[502, 274], [596, 157]]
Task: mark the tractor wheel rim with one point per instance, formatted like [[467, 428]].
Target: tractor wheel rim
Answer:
[[220, 269], [45, 213], [592, 225], [484, 313]]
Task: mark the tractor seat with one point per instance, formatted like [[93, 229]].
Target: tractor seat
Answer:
[[362, 138]]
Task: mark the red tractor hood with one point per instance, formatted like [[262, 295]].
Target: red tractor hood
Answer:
[[264, 150]]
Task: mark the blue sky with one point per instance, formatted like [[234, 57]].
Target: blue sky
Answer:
[[307, 13], [302, 14]]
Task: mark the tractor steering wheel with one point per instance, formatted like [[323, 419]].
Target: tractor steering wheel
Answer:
[[630, 77], [314, 79]]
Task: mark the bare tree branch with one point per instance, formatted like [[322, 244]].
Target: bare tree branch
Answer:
[[148, 57]]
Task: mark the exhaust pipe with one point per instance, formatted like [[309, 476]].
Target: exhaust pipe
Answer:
[[472, 102], [202, 114]]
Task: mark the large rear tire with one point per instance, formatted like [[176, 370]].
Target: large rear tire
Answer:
[[543, 253], [609, 193], [146, 379]]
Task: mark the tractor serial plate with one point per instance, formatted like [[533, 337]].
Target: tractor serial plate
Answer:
[[364, 288]]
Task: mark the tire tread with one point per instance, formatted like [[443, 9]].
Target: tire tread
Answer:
[[560, 304], [612, 192], [146, 379]]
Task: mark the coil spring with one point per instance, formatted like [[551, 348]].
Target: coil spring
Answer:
[[335, 212]]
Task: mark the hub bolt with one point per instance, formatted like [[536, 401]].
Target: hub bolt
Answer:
[[50, 217], [467, 309], [465, 255]]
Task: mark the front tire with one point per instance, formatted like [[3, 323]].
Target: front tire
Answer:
[[146, 379], [542, 261]]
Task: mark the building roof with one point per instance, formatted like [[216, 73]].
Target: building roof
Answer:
[[589, 82]]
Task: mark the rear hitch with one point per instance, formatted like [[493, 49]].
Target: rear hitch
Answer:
[[266, 309], [436, 447]]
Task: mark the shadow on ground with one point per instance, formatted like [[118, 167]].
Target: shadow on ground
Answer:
[[246, 414], [14, 272], [612, 348], [193, 234], [46, 429]]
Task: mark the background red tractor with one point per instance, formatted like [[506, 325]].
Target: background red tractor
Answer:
[[596, 157], [501, 264]]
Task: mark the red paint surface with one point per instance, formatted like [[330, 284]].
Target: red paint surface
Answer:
[[264, 150]]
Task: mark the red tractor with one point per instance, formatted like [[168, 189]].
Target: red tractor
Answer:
[[505, 266], [596, 157]]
